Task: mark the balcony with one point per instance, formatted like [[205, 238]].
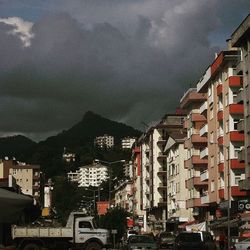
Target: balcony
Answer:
[[204, 153], [162, 202], [220, 115], [204, 130], [194, 202], [203, 108], [195, 181], [241, 155], [235, 136], [221, 167], [162, 171], [221, 193], [161, 140], [195, 160], [235, 191], [240, 126], [240, 97], [236, 109], [162, 185], [235, 81], [204, 176], [196, 138], [161, 155], [198, 118], [236, 164], [204, 199], [219, 89]]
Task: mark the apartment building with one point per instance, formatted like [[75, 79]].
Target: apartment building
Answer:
[[26, 176], [177, 193], [105, 141], [128, 170], [224, 141], [154, 172], [196, 161], [139, 214], [241, 39], [127, 142], [89, 175], [124, 195]]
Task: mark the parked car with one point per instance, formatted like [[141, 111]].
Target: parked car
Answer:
[[194, 241], [141, 242], [165, 240], [242, 244]]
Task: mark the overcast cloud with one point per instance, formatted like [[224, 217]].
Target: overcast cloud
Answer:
[[128, 60]]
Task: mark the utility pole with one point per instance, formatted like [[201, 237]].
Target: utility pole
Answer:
[[229, 197]]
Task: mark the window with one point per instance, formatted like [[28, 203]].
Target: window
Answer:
[[211, 139], [226, 99], [237, 179], [235, 123], [227, 126], [236, 151], [212, 186], [211, 113], [85, 224]]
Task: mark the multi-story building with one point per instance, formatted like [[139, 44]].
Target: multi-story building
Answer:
[[196, 162], [241, 39], [124, 195], [177, 192], [90, 175], [154, 172], [139, 214], [128, 170], [127, 142], [27, 176], [105, 141], [223, 113]]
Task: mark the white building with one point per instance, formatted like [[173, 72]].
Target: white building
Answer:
[[128, 170], [105, 141], [177, 174], [124, 195], [127, 142], [89, 175]]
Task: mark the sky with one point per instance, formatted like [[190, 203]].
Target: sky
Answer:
[[128, 60]]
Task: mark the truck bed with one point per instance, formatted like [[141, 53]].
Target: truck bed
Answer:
[[41, 232]]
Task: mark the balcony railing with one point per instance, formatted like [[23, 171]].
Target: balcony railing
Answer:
[[204, 175], [204, 153], [204, 130], [203, 108], [240, 96], [205, 199]]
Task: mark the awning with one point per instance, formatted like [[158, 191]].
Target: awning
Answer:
[[11, 205]]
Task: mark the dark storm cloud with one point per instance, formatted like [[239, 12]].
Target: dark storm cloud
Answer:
[[127, 60]]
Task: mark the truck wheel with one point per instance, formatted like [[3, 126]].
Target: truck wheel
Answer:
[[93, 246], [31, 246]]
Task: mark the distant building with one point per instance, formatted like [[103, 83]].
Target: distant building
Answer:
[[105, 141], [89, 175], [27, 176], [128, 170], [69, 157], [127, 142]]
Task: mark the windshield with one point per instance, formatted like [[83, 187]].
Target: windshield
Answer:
[[141, 239]]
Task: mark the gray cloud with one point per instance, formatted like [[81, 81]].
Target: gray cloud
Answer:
[[127, 60]]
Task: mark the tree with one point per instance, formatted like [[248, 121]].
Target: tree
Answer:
[[115, 218]]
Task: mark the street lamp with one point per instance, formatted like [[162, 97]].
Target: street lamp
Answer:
[[109, 163]]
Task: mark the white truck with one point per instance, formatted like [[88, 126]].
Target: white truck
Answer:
[[80, 232]]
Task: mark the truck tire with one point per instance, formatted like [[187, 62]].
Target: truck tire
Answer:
[[31, 246], [93, 246]]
